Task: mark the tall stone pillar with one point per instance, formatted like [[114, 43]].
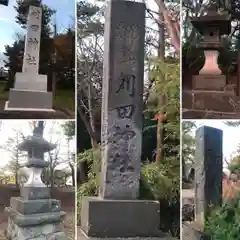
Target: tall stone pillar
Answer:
[[208, 171], [117, 212]]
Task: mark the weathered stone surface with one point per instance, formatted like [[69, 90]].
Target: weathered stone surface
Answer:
[[122, 100], [199, 104], [29, 99], [122, 218], [32, 42], [51, 231], [32, 193], [34, 219], [187, 99], [35, 206], [204, 114], [216, 101], [208, 171], [209, 82], [31, 81]]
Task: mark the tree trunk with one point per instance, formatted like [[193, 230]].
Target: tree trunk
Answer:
[[161, 55], [172, 26], [91, 132], [72, 173]]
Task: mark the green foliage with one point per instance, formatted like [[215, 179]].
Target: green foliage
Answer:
[[166, 98], [234, 168], [224, 222], [160, 182], [188, 144], [69, 129]]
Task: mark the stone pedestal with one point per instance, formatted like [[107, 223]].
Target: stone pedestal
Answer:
[[210, 98], [209, 82], [122, 218]]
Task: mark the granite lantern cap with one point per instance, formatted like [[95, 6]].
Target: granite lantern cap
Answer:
[[36, 142], [212, 26], [36, 146]]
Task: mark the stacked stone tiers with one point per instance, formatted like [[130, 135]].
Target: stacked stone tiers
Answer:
[[34, 215], [34, 219]]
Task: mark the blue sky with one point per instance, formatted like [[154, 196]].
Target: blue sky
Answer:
[[64, 18], [231, 135]]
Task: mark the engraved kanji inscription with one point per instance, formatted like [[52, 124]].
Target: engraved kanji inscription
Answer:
[[125, 111], [127, 82]]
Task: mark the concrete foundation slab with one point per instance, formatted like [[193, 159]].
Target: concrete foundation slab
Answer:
[[120, 218]]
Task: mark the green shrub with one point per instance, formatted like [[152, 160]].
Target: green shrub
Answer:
[[224, 223], [161, 182], [157, 182]]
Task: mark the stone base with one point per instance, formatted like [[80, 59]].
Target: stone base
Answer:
[[83, 236], [50, 231], [209, 82], [38, 219], [32, 193], [25, 100], [214, 102], [26, 80], [27, 207], [204, 114], [102, 218]]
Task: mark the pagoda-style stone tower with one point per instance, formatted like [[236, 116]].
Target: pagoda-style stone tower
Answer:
[[211, 96], [34, 215]]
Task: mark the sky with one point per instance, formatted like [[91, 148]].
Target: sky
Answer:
[[65, 13], [52, 133], [231, 136]]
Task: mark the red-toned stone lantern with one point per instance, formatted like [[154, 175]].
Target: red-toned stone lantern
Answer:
[[212, 26]]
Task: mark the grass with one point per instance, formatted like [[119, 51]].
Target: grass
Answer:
[[65, 99]]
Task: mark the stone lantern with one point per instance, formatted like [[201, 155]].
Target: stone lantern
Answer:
[[212, 26], [34, 215]]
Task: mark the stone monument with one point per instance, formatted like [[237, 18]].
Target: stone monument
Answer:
[[208, 171], [208, 180], [117, 212], [34, 215], [30, 88]]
